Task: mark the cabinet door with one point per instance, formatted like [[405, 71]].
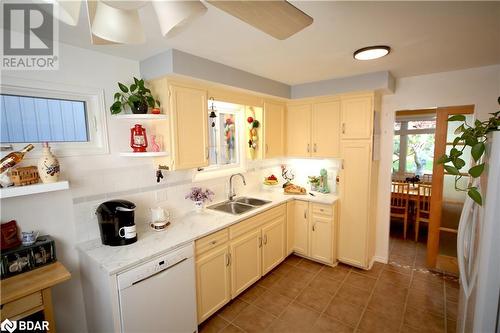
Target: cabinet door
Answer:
[[212, 281], [321, 240], [357, 117], [246, 266], [298, 130], [290, 226], [326, 129], [190, 127], [354, 196], [273, 240], [301, 228], [274, 135]]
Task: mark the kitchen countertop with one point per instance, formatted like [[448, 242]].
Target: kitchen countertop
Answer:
[[182, 230]]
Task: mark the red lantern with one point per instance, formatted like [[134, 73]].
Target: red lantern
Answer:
[[138, 139]]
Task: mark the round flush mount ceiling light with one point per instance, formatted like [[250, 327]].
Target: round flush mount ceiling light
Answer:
[[372, 52]]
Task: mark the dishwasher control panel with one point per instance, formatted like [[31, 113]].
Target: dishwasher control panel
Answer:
[[153, 266]]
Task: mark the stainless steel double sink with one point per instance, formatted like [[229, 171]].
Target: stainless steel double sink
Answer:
[[239, 206]]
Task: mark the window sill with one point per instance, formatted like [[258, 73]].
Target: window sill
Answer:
[[217, 173]]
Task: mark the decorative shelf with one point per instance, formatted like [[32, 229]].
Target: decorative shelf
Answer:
[[145, 154], [145, 116], [17, 191]]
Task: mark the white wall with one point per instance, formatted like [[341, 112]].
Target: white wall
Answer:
[[52, 213], [479, 86]]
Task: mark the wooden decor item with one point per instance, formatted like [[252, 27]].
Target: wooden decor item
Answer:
[[25, 175]]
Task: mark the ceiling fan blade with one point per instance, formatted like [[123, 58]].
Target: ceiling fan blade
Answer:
[[277, 18]]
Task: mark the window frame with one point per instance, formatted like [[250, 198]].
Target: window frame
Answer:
[[97, 143]]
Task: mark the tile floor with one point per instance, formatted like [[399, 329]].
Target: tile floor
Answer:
[[304, 296]]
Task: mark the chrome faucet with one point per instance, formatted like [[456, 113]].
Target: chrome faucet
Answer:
[[232, 194]]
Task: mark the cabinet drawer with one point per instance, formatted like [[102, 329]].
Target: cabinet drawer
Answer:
[[256, 221], [21, 305], [322, 209], [209, 242]]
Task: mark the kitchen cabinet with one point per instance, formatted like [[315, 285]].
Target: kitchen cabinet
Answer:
[[355, 188], [274, 132], [313, 129], [298, 127], [357, 117], [213, 281], [273, 243], [245, 261], [320, 238], [290, 232], [301, 226]]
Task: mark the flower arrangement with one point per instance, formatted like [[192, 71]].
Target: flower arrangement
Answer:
[[199, 194]]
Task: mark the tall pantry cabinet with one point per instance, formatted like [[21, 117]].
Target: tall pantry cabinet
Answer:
[[358, 180]]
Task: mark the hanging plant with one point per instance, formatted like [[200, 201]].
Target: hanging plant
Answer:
[[136, 96], [474, 136]]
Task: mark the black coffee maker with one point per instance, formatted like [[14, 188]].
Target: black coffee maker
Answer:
[[116, 222]]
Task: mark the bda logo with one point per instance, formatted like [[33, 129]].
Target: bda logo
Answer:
[[8, 325]]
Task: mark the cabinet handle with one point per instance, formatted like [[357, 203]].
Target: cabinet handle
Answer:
[[228, 259], [207, 153], [260, 241], [267, 148], [314, 227], [315, 148], [213, 242], [343, 128], [305, 213], [308, 148], [265, 239]]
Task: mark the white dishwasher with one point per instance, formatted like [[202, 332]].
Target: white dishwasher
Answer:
[[159, 295]]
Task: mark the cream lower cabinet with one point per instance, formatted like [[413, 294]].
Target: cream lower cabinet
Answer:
[[273, 243], [301, 227], [246, 265], [212, 281], [320, 238]]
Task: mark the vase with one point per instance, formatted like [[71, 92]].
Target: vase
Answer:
[[48, 166], [140, 108], [199, 206]]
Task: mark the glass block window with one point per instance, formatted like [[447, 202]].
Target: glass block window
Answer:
[[30, 119]]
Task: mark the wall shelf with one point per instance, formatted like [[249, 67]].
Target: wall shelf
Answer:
[[17, 191], [145, 154], [145, 116]]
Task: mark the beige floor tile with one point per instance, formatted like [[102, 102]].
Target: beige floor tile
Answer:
[[293, 260], [325, 284], [353, 295], [373, 322], [327, 324], [314, 298], [232, 329], [426, 301], [397, 279], [335, 273], [281, 326], [310, 266], [451, 310], [272, 302], [299, 315], [373, 272], [429, 322], [408, 329], [383, 304], [344, 312], [289, 287], [398, 268], [253, 319], [451, 326], [360, 281], [428, 286], [269, 280], [213, 324], [252, 293], [388, 291], [283, 269], [232, 309]]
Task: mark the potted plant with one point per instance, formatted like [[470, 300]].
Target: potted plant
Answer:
[[474, 136], [136, 96], [200, 196]]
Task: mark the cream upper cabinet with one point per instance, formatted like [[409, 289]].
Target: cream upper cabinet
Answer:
[[325, 132], [354, 202], [301, 226], [290, 234], [298, 129], [213, 286], [321, 235], [357, 117], [189, 127], [273, 243], [245, 260], [274, 132]]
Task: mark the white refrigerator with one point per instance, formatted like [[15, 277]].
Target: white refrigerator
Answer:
[[478, 246]]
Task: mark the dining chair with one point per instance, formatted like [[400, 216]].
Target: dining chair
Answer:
[[423, 206], [427, 178], [399, 203]]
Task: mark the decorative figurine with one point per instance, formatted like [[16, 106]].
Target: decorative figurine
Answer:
[[287, 175], [138, 139], [253, 137], [48, 166], [154, 145], [323, 181]]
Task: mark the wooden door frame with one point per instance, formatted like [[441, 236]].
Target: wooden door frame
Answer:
[[442, 114]]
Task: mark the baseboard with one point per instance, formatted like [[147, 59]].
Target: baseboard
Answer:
[[383, 260]]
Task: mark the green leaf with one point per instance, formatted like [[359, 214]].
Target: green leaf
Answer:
[[136, 81], [134, 99], [456, 141], [457, 117], [476, 196], [151, 101], [477, 170], [470, 140], [451, 170], [477, 151], [117, 95], [459, 129], [459, 163], [158, 103], [133, 87], [123, 87], [443, 159]]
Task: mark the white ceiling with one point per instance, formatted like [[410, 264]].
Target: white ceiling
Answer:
[[426, 37]]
